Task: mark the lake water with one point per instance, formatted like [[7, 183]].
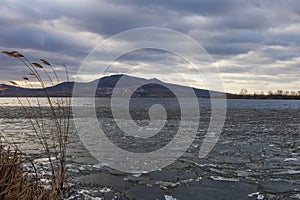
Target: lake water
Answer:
[[257, 155]]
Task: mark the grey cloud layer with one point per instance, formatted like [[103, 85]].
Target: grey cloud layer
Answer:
[[232, 31]]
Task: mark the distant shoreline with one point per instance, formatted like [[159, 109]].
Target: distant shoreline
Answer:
[[229, 97], [263, 97]]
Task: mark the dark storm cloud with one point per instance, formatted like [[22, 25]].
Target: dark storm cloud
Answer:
[[212, 7], [25, 37]]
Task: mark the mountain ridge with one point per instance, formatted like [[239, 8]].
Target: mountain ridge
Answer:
[[105, 86]]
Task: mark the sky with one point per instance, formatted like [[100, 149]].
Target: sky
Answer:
[[254, 43]]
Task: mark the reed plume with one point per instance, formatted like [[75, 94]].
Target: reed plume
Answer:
[[52, 136]]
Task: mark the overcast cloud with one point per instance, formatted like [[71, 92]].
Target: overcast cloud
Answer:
[[255, 43]]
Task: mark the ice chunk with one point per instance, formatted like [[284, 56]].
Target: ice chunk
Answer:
[[290, 159], [168, 197], [167, 184], [137, 175], [219, 178], [296, 196], [99, 165], [290, 171], [105, 190], [40, 160], [73, 170], [253, 194], [83, 191], [259, 196]]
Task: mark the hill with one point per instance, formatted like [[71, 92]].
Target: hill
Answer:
[[106, 85]]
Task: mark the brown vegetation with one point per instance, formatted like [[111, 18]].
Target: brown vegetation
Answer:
[[52, 136], [17, 184]]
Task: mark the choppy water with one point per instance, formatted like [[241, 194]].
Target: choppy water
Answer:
[[256, 157]]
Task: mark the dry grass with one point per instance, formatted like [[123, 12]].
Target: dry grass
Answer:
[[17, 184], [52, 136]]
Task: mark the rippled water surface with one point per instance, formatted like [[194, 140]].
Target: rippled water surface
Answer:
[[256, 157]]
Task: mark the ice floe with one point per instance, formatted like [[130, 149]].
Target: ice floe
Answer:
[[290, 159], [168, 197], [219, 178], [259, 196]]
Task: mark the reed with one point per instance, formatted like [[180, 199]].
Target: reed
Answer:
[[52, 133], [15, 183]]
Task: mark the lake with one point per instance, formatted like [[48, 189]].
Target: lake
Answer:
[[256, 157]]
